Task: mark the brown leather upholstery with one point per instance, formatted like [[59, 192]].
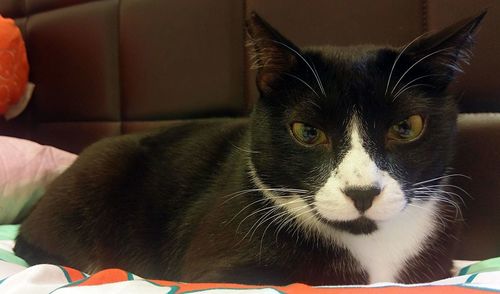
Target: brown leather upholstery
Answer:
[[109, 67], [99, 66], [478, 156]]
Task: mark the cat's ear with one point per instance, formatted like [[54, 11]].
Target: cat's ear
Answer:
[[273, 55], [445, 51]]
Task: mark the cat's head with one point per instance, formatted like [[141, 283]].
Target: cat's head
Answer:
[[361, 133]]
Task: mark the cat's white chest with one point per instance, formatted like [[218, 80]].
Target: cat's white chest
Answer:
[[384, 253]]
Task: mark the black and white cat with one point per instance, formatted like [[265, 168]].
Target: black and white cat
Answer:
[[338, 177]]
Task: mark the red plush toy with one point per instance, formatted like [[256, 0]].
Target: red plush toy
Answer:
[[13, 66]]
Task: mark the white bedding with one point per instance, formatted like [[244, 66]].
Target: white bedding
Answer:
[[16, 277]]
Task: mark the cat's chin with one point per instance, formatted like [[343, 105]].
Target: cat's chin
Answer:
[[359, 226]]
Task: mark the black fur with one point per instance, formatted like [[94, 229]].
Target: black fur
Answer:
[[157, 204]]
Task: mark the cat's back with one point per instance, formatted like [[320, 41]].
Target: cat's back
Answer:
[[124, 186], [150, 158], [166, 156]]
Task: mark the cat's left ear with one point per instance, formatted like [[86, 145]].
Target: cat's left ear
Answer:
[[273, 54], [444, 52]]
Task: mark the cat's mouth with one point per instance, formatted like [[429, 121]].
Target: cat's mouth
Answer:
[[361, 225]]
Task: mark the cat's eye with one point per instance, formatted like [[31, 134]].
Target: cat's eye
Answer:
[[308, 135], [407, 130]]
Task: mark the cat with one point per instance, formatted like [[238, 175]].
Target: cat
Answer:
[[339, 176]]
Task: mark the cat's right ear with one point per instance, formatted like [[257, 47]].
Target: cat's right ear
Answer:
[[444, 51], [273, 55]]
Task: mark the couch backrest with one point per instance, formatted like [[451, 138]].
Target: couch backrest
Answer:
[[108, 67]]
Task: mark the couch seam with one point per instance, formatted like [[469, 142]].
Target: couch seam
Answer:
[[462, 114], [26, 12], [27, 41], [119, 71], [425, 15], [246, 74]]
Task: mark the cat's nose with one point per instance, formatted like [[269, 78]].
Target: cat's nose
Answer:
[[362, 196]]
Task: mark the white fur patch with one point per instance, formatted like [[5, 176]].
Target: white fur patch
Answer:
[[357, 169], [384, 253]]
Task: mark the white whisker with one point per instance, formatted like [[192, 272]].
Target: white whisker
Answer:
[[439, 198], [244, 149], [263, 219], [417, 62], [452, 186], [246, 207], [278, 217], [288, 221], [407, 88], [440, 192], [314, 68], [283, 190], [306, 62], [441, 177], [304, 82], [412, 81], [270, 209], [397, 58]]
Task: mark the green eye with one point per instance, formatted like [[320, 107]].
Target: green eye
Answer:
[[308, 135], [406, 130]]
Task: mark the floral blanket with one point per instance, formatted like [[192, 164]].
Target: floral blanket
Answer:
[[17, 277]]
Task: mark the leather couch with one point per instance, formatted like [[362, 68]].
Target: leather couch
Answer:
[[104, 68]]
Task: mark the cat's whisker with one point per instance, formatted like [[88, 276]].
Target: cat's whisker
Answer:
[[445, 217], [243, 149], [458, 211], [269, 210], [263, 219], [281, 227], [272, 206], [302, 81], [316, 76], [314, 68], [281, 222], [269, 216], [264, 200], [397, 58], [305, 224], [440, 178], [283, 190], [440, 198], [277, 217], [265, 209], [298, 228], [459, 197], [246, 207], [294, 217], [439, 188], [417, 62], [404, 88], [312, 227], [451, 195], [408, 88], [441, 192], [313, 103], [451, 186]]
